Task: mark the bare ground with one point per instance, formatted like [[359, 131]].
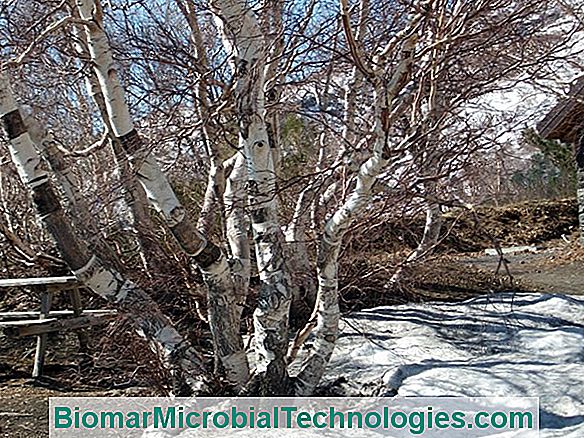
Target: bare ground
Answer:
[[556, 269]]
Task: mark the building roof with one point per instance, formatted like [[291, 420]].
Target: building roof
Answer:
[[566, 119]]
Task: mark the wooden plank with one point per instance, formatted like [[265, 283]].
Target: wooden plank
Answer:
[[26, 322], [41, 347], [10, 316], [78, 309], [54, 325], [41, 281]]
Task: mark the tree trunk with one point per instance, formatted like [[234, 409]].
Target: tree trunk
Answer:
[[243, 40], [78, 211], [153, 256], [580, 184], [327, 307], [326, 312], [237, 226], [216, 179], [89, 269], [431, 232], [208, 257]]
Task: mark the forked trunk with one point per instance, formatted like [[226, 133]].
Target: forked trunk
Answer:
[[242, 38], [223, 316], [89, 269], [326, 314]]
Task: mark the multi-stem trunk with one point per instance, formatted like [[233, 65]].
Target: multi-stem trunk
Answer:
[[89, 269], [326, 313], [242, 38], [46, 145], [327, 308], [152, 254], [223, 317]]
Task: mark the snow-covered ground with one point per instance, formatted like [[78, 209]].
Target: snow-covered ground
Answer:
[[501, 345], [497, 345]]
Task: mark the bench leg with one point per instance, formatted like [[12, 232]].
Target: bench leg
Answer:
[[39, 357], [77, 310]]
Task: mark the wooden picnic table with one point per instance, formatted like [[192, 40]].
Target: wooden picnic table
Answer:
[[44, 321]]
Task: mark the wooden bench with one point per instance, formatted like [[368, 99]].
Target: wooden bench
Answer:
[[40, 323]]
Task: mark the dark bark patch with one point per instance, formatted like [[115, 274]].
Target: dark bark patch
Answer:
[[209, 255], [13, 124], [187, 235], [271, 135], [271, 95], [330, 339], [131, 142], [385, 155], [45, 199], [253, 188], [38, 180], [111, 73], [241, 67], [259, 216], [580, 154], [244, 130]]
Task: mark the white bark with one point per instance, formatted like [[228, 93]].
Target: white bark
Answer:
[[430, 237], [325, 184], [45, 144], [89, 269], [134, 194], [326, 312], [330, 181], [431, 229], [237, 226], [274, 33], [151, 253], [244, 42], [223, 316], [580, 184], [327, 307], [216, 178]]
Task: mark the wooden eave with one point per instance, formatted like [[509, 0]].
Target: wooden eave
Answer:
[[566, 119]]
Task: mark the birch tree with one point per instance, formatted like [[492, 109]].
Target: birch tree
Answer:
[[391, 83], [207, 256], [89, 269], [243, 40]]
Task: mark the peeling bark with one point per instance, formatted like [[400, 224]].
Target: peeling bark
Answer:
[[213, 200], [243, 40], [90, 270], [237, 225], [326, 312], [208, 257], [46, 145], [152, 254]]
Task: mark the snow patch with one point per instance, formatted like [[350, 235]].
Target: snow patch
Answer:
[[497, 345]]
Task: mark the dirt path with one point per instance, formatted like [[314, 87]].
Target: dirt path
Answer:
[[555, 270]]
